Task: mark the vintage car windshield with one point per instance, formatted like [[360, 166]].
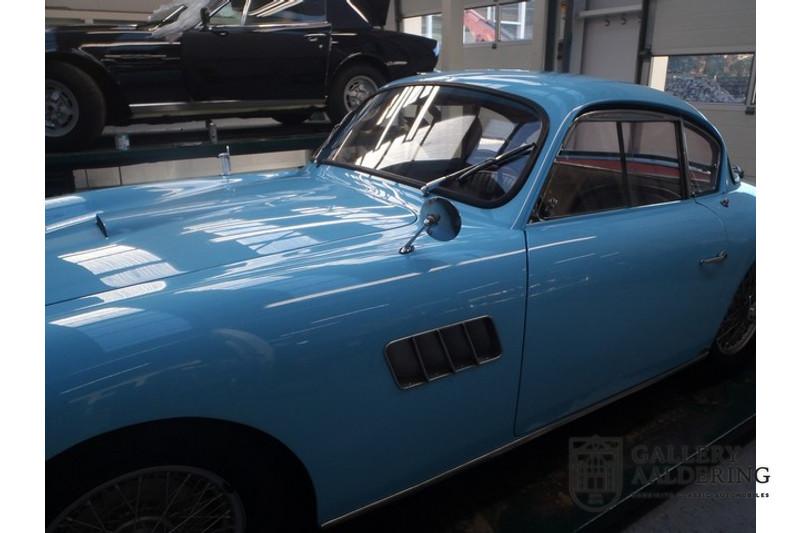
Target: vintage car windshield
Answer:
[[418, 133]]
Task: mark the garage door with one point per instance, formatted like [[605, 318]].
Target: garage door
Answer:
[[704, 52]]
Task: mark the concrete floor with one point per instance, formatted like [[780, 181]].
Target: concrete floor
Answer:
[[706, 508]]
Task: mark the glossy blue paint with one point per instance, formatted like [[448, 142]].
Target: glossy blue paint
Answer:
[[267, 299], [615, 298]]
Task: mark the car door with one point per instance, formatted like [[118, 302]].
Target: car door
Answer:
[[624, 267], [259, 50]]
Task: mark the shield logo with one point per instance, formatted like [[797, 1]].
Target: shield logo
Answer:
[[595, 472]]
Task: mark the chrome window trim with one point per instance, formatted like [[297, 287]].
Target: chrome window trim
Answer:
[[717, 163], [622, 114]]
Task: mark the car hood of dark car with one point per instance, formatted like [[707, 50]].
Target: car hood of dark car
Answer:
[[109, 240]]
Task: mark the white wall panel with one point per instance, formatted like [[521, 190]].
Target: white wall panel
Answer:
[[412, 8], [506, 55], [692, 26], [739, 131], [131, 6]]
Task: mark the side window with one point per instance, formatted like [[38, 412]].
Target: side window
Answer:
[[587, 175], [703, 154], [229, 15], [285, 11], [651, 161]]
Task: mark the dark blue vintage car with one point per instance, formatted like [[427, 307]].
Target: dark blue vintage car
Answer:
[[469, 261]]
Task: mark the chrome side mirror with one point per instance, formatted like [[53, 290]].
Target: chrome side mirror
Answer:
[[737, 174], [440, 219]]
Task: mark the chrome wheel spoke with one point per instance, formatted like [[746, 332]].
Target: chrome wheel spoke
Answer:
[[156, 500], [739, 324]]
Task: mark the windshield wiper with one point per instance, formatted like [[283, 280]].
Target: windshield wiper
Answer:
[[464, 173]]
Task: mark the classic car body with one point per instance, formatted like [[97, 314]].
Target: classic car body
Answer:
[[271, 301], [244, 61]]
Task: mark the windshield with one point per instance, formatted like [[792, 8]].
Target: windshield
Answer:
[[178, 16], [419, 133]]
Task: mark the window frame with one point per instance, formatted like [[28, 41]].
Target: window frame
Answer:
[[497, 4], [454, 195], [717, 163], [749, 101], [420, 16], [617, 115], [246, 12]]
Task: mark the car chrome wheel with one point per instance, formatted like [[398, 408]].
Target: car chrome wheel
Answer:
[[168, 499], [60, 109], [739, 324], [358, 89]]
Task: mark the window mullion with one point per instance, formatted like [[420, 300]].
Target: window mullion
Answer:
[[496, 24], [683, 160], [624, 162]]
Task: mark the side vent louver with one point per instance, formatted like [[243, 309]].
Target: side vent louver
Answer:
[[440, 352]]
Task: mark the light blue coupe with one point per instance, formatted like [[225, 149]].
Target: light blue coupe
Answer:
[[470, 260]]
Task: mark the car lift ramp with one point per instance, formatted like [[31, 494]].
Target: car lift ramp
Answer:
[[180, 145], [705, 406]]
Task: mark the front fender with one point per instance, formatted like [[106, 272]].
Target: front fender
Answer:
[[292, 344]]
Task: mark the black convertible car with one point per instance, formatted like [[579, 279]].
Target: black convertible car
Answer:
[[279, 58]]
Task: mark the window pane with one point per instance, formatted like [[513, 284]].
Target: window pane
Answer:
[[429, 26], [703, 154], [479, 25], [516, 21], [423, 132], [229, 15], [285, 11], [587, 174], [710, 78], [651, 160]]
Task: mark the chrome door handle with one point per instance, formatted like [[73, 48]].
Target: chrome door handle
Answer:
[[719, 258]]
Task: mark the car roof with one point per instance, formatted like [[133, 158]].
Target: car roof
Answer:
[[560, 94]]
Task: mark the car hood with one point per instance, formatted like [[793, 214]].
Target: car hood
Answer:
[[108, 240]]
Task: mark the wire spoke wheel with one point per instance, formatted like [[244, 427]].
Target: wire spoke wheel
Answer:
[[739, 324], [358, 89], [60, 109], [168, 499]]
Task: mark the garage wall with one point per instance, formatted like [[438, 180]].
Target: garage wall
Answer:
[[606, 40], [95, 11], [136, 6], [505, 55], [691, 27], [456, 55], [685, 26]]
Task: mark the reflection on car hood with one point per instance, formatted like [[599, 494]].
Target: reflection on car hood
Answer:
[[357, 13], [117, 238]]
